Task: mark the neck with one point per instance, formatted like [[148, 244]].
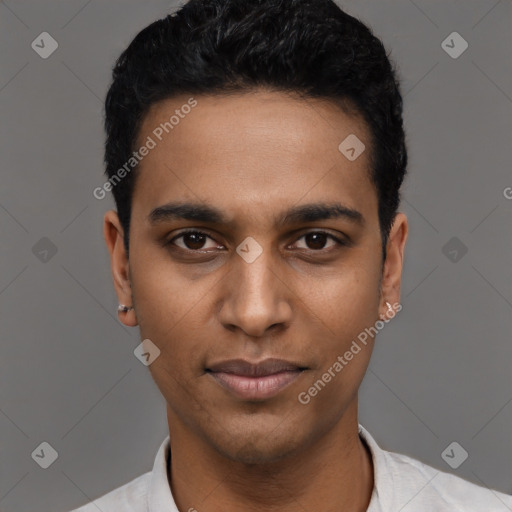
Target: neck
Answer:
[[333, 473]]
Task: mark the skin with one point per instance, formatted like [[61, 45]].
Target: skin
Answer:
[[253, 155]]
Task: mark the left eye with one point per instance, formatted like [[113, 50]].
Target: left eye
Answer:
[[318, 239]]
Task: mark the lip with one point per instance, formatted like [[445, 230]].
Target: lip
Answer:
[[255, 381]]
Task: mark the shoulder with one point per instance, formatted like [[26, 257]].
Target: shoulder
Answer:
[[420, 487], [404, 483], [130, 497]]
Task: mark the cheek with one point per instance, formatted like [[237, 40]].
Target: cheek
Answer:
[[348, 299], [180, 363], [162, 292], [171, 313], [347, 306], [360, 299]]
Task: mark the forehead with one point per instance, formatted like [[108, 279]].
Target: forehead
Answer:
[[252, 151]]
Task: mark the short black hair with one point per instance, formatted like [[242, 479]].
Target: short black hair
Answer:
[[308, 47]]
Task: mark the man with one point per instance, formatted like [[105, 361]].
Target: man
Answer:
[[256, 151]]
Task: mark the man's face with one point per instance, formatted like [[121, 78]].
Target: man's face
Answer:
[[203, 299]]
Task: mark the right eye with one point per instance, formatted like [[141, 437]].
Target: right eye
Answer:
[[192, 241]]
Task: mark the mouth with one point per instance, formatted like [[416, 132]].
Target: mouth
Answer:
[[255, 381]]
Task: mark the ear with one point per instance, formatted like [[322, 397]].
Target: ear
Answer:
[[392, 271], [114, 238]]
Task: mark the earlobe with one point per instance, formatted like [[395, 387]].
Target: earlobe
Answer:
[[127, 315], [390, 312], [114, 238]]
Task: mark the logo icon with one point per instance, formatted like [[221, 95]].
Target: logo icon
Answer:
[[146, 352], [454, 249], [351, 147], [45, 455], [454, 455], [44, 45], [454, 45], [44, 250], [249, 249]]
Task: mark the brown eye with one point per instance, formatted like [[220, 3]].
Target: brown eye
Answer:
[[192, 241], [316, 240]]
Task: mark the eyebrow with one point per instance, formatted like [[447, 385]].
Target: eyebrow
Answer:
[[205, 213]]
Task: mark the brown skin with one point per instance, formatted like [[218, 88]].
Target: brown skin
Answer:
[[254, 155]]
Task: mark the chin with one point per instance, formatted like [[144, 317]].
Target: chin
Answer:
[[250, 445]]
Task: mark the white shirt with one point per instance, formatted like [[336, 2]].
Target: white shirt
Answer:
[[401, 484]]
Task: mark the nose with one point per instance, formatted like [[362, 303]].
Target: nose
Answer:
[[256, 299]]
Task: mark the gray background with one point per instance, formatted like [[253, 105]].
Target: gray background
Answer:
[[441, 371]]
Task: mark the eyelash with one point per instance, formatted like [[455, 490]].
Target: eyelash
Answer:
[[339, 241]]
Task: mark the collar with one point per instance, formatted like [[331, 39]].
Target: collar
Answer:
[[382, 495], [159, 496]]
